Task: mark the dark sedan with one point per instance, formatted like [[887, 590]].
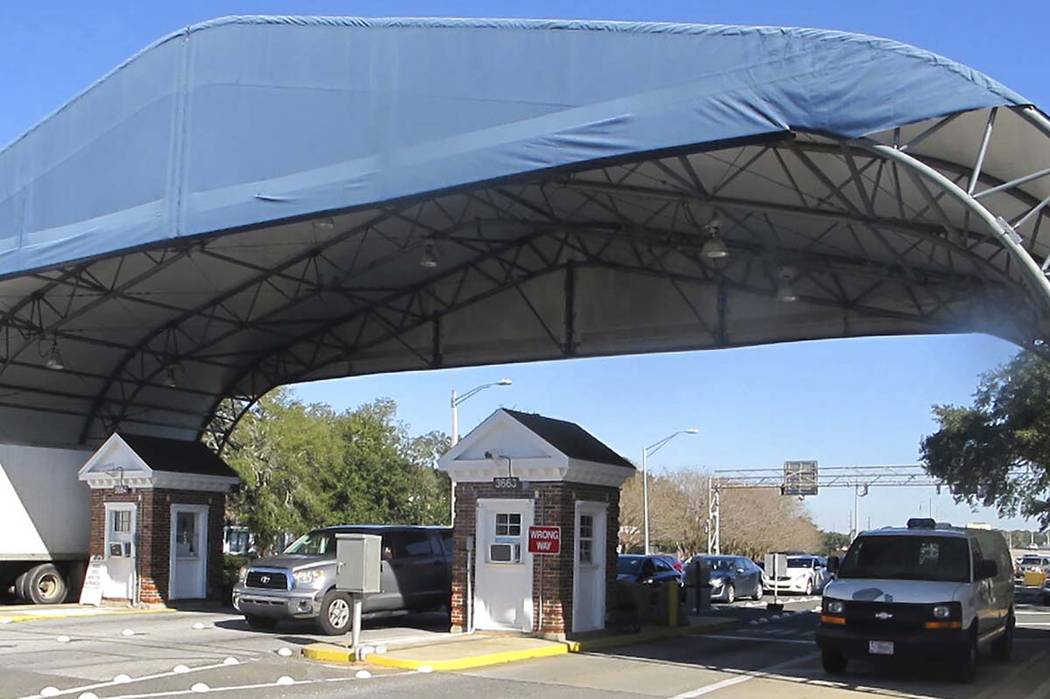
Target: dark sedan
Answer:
[[733, 577], [637, 568]]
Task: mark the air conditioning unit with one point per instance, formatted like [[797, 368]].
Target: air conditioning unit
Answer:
[[504, 553]]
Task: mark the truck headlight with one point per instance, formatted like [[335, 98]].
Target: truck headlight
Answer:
[[835, 606], [242, 574], [942, 611], [312, 577]]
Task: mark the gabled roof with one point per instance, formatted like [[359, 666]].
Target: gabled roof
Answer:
[[177, 456], [570, 439]]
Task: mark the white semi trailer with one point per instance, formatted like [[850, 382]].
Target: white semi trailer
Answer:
[[45, 520]]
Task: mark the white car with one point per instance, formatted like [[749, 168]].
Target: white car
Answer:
[[806, 575]]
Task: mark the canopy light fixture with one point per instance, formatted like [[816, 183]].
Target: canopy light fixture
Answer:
[[714, 248], [324, 224], [170, 379], [54, 358], [785, 286], [429, 258]]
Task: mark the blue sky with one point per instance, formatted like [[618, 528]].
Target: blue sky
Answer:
[[842, 402]]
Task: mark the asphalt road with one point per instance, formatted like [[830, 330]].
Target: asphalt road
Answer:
[[766, 655]]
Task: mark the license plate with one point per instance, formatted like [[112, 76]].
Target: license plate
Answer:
[[880, 647]]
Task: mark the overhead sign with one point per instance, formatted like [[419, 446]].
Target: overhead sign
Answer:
[[545, 541], [506, 483], [800, 478], [91, 593]]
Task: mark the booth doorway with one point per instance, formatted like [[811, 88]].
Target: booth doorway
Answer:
[[119, 552], [588, 607], [503, 568], [189, 555]]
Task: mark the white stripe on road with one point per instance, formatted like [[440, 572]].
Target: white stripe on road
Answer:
[[266, 685], [111, 683], [747, 677]]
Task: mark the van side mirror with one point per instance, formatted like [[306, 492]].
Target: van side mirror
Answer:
[[833, 564], [985, 569]]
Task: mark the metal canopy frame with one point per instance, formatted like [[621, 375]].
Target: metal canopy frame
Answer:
[[887, 234]]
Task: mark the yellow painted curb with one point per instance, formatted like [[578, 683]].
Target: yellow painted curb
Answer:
[[471, 662], [78, 614], [650, 636], [328, 653]]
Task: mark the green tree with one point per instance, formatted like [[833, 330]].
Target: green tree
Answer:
[[834, 542], [996, 452]]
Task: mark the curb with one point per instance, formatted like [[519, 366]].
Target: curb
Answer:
[[328, 653], [77, 614]]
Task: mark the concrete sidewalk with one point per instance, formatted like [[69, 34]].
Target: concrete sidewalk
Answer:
[[463, 652]]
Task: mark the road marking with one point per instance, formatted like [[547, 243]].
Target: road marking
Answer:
[[144, 678], [746, 677], [763, 639], [266, 685]]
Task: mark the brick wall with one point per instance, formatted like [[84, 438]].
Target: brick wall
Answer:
[[554, 505], [154, 527]]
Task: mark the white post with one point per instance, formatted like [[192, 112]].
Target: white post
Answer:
[[455, 419], [355, 629], [645, 502]]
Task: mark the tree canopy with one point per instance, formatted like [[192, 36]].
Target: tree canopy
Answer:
[[305, 466], [996, 452]]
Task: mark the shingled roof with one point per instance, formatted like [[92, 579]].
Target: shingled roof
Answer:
[[570, 439], [178, 456]]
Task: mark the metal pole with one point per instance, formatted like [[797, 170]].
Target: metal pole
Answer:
[[455, 419], [645, 502], [355, 629], [710, 518]]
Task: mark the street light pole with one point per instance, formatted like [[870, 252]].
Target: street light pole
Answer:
[[454, 404], [646, 453]]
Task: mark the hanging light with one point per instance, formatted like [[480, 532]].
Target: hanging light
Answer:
[[429, 258], [714, 248], [785, 289], [324, 224], [54, 358], [170, 380]]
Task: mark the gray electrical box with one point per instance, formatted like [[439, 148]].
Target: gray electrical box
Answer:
[[358, 565]]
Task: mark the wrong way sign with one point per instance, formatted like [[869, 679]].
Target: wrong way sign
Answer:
[[545, 541]]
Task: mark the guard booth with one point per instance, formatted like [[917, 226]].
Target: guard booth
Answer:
[[158, 507], [537, 504]]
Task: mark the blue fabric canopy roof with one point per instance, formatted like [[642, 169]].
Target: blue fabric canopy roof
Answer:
[[244, 120]]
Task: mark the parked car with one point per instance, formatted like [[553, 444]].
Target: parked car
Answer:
[[805, 575], [674, 561], [928, 591], [415, 575], [638, 569], [1030, 564], [732, 577]]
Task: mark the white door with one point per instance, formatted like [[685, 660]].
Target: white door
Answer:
[[588, 594], [121, 526], [189, 552], [503, 566]]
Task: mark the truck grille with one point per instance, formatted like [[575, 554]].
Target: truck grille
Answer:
[[266, 580]]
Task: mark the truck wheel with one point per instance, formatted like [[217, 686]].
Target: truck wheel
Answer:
[[336, 614], [45, 585], [1003, 647], [260, 622], [834, 663], [20, 587]]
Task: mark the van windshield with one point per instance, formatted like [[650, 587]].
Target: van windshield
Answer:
[[313, 544], [939, 558]]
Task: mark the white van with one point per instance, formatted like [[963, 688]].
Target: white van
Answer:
[[930, 591]]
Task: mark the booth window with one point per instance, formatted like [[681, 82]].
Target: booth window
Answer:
[[186, 535], [508, 524], [120, 520], [586, 538]]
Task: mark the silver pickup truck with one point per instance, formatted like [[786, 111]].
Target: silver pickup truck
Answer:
[[300, 583]]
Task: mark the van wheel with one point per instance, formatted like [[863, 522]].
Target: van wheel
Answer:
[[1003, 647], [264, 623], [44, 584], [834, 663], [336, 614], [968, 663]]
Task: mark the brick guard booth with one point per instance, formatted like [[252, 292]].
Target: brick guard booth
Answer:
[[568, 479], [158, 508]]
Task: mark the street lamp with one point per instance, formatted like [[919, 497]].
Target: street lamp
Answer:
[[456, 400], [646, 453]]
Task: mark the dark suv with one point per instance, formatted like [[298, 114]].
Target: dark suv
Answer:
[[300, 583]]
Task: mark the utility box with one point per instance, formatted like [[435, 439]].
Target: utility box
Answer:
[[358, 566], [776, 565]]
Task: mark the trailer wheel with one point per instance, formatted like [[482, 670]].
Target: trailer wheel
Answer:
[[45, 585]]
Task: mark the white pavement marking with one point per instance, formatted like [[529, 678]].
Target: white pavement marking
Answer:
[[266, 685], [746, 677], [114, 682], [761, 639]]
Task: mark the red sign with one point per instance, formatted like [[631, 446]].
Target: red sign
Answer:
[[545, 541]]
